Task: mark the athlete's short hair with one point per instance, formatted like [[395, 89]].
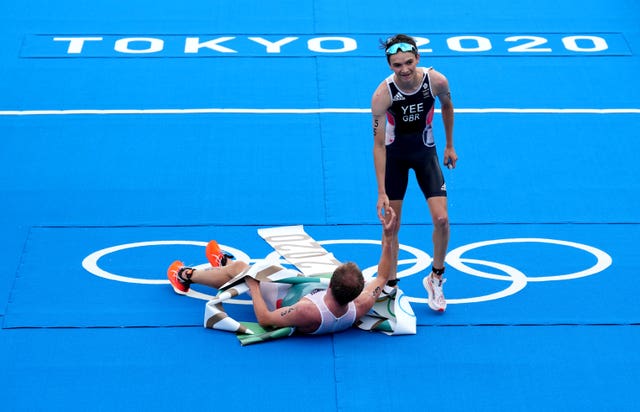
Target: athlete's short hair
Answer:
[[397, 39], [346, 283]]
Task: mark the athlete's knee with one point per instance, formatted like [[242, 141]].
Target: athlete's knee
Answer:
[[441, 221], [237, 266]]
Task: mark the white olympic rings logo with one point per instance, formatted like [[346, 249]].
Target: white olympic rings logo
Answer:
[[421, 261]]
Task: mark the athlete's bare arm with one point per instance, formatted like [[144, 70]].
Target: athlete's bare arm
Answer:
[[380, 102], [440, 88], [365, 301], [303, 315]]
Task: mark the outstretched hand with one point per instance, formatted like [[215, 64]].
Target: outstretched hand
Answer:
[[390, 222], [381, 206]]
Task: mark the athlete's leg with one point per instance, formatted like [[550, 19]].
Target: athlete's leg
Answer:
[[434, 281], [396, 205], [440, 236], [218, 276], [396, 183], [431, 182]]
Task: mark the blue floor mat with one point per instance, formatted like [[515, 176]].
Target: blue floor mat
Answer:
[[525, 368], [142, 368]]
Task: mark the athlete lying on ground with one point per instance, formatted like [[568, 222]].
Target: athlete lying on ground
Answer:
[[321, 311]]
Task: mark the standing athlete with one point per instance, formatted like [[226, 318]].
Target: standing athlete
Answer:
[[403, 108]]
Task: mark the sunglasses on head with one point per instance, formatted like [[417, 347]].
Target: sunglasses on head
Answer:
[[401, 47]]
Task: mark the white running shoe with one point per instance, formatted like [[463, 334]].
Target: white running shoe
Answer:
[[388, 291], [433, 285]]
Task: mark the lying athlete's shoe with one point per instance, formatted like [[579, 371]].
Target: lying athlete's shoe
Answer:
[[433, 285], [215, 256], [388, 291], [177, 277]]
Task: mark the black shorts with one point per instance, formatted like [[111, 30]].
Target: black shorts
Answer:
[[425, 164]]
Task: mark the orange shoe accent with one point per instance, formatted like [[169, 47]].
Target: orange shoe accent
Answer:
[[172, 273], [214, 254]]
